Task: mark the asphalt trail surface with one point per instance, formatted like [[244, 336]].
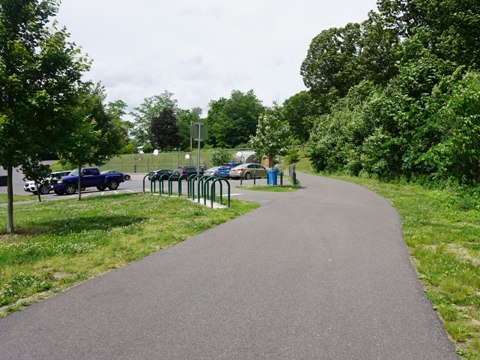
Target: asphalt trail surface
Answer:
[[322, 273]]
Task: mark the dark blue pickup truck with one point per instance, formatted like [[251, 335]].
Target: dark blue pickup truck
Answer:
[[90, 177]]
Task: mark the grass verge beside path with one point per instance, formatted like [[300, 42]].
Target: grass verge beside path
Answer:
[[3, 198], [444, 244], [61, 243]]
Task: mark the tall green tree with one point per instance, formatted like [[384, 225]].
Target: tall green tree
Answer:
[[272, 136], [298, 111], [164, 130], [231, 122], [143, 115], [98, 135], [40, 73], [332, 60], [449, 24]]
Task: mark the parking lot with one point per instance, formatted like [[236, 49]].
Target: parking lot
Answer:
[[133, 185]]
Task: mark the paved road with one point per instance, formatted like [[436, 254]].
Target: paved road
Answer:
[[322, 273]]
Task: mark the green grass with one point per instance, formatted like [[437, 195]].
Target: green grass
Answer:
[[3, 198], [443, 240], [61, 243]]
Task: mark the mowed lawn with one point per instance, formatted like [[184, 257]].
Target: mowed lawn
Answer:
[[61, 243], [442, 233]]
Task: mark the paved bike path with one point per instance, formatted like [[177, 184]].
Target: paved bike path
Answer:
[[322, 273]]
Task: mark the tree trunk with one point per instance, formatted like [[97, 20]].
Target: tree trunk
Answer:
[[79, 182], [38, 193], [10, 228]]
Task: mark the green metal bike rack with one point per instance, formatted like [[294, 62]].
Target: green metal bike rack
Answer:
[[219, 180], [144, 182], [200, 183], [191, 185], [206, 190], [183, 176], [161, 186], [153, 186], [170, 186]]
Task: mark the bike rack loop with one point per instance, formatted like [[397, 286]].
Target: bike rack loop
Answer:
[[219, 180], [191, 185], [206, 190], [170, 186], [180, 178], [200, 185], [144, 182], [161, 186]]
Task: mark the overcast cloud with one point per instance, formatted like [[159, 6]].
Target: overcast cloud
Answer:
[[202, 49]]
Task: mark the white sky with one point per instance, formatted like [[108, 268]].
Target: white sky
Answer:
[[202, 49]]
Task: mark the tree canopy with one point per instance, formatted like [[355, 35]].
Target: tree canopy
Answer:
[[164, 130], [232, 121], [40, 77], [272, 136]]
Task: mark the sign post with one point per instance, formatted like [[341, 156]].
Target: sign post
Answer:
[[198, 131]]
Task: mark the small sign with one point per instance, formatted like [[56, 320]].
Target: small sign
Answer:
[[198, 131], [187, 156]]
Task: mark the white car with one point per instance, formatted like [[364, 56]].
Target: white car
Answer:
[[46, 186]]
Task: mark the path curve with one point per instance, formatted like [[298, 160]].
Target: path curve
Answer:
[[322, 273]]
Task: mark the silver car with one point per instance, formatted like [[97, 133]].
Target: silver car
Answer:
[[248, 171]]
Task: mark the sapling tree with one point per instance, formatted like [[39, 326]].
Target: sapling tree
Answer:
[[40, 73], [273, 135]]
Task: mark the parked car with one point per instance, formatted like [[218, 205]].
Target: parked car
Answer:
[[125, 176], [155, 175], [220, 171], [247, 171], [47, 185], [185, 170], [90, 177]]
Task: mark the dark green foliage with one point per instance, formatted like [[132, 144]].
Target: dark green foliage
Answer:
[[164, 130], [417, 116], [332, 60], [298, 111], [232, 121], [144, 113], [337, 137]]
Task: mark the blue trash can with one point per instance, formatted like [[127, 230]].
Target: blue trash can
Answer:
[[274, 177]]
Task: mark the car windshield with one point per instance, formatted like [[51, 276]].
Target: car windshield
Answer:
[[73, 172]]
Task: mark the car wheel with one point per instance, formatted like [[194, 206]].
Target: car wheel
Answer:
[[70, 189], [127, 177], [113, 185], [44, 190], [248, 176], [101, 188]]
